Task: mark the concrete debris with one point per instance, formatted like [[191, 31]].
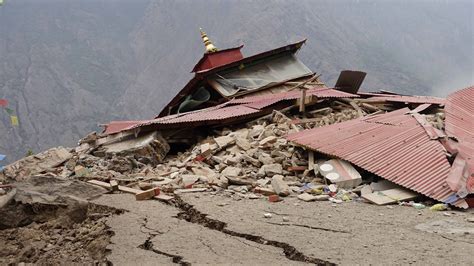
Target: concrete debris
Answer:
[[267, 215], [255, 160], [43, 162], [272, 169], [224, 141], [149, 148], [341, 173], [231, 171], [247, 161], [279, 186], [390, 196]]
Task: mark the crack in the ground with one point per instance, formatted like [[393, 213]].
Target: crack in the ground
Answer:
[[311, 227], [456, 240], [243, 242], [207, 245], [153, 231], [148, 245], [192, 215]]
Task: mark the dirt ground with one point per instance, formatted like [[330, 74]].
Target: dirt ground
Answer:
[[212, 229]]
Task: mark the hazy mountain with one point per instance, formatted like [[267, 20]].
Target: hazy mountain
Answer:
[[67, 65]]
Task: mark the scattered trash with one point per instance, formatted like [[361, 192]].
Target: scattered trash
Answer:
[[274, 198], [390, 196], [267, 215], [439, 207], [341, 173]]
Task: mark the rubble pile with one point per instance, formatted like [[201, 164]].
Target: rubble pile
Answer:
[[252, 161]]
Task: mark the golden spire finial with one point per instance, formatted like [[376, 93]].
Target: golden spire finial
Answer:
[[210, 48]]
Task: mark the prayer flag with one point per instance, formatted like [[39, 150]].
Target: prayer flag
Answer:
[[3, 102], [9, 111], [14, 120]]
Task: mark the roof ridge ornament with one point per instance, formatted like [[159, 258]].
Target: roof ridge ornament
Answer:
[[210, 48]]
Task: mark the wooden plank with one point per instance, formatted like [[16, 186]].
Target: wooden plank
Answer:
[[315, 77], [160, 196], [322, 110], [147, 194], [302, 101], [100, 183], [129, 190], [189, 190], [310, 160], [357, 108], [390, 196], [369, 107], [163, 197]]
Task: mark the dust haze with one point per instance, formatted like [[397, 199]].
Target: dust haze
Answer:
[[70, 65]]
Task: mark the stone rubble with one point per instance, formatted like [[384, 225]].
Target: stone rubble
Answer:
[[251, 161]]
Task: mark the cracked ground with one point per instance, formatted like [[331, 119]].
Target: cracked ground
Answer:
[[211, 229]]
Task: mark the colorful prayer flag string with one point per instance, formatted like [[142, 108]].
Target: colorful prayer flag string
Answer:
[[13, 118]]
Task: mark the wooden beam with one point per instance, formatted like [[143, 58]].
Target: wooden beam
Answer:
[[322, 110], [357, 108], [147, 194], [315, 77], [135, 191], [302, 100], [370, 107], [310, 160]]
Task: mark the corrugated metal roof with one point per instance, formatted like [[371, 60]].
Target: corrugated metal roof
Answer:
[[393, 146], [407, 99], [232, 109], [117, 126], [295, 94], [459, 122], [212, 114]]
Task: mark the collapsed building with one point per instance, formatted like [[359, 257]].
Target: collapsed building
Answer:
[[266, 125]]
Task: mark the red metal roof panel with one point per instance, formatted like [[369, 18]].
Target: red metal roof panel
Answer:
[[216, 113], [459, 122], [394, 147], [407, 99], [292, 95], [117, 126]]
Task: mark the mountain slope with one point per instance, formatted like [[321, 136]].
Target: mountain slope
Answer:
[[66, 66]]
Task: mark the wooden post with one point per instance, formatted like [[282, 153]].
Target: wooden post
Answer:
[[310, 160], [302, 101]]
